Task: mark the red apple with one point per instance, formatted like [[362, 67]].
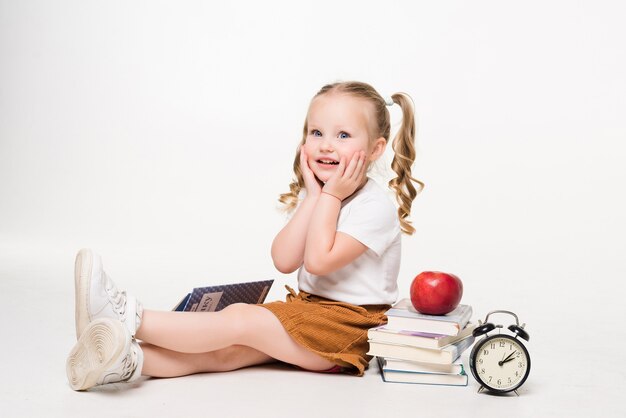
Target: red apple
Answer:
[[436, 293]]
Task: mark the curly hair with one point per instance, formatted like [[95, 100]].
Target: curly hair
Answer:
[[403, 146]]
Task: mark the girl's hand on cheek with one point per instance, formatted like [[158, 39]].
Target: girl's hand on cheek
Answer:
[[312, 185], [346, 180]]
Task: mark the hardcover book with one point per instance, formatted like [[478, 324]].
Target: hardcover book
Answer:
[[446, 355], [216, 298], [416, 338], [419, 367], [399, 376], [403, 316]]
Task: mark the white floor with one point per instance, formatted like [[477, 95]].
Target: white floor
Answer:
[[571, 375]]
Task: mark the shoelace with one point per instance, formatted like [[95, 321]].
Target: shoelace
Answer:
[[118, 299], [125, 370], [129, 364]]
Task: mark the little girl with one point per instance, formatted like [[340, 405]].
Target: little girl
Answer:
[[344, 240]]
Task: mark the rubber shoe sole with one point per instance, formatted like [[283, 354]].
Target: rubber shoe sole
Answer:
[[97, 350]]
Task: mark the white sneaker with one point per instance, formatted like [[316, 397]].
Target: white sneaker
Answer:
[[105, 353], [97, 296]]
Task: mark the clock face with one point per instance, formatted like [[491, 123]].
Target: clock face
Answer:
[[500, 362]]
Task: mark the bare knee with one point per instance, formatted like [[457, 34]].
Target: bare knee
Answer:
[[239, 319], [253, 325]]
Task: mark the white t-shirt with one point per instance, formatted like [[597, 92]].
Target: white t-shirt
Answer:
[[370, 217]]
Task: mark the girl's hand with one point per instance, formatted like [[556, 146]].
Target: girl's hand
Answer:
[[312, 185], [347, 180]]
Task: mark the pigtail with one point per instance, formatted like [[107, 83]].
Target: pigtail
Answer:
[[290, 199], [404, 155]]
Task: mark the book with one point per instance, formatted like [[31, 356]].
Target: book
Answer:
[[403, 316], [400, 376], [216, 298], [419, 367], [446, 355], [416, 338]]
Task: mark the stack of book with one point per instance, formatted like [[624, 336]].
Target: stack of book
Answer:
[[417, 348]]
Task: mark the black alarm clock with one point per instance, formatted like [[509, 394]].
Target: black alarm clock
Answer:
[[499, 362]]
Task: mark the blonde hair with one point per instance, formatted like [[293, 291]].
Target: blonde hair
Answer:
[[403, 146]]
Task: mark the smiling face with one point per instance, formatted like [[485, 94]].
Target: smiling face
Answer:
[[338, 126]]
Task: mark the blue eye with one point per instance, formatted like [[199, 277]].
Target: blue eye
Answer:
[[315, 132], [344, 135]]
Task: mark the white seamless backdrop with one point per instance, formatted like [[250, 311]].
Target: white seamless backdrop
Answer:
[[161, 134]]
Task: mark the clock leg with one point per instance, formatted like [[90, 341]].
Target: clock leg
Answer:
[[480, 389], [516, 392]]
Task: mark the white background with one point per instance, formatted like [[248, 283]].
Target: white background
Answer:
[[161, 134]]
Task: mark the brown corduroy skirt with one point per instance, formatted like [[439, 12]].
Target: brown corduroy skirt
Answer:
[[336, 331]]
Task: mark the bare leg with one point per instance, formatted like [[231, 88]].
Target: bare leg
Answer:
[[238, 324], [161, 362]]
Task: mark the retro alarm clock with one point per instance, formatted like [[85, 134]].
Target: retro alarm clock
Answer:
[[499, 362]]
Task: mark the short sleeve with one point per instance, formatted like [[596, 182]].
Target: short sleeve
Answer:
[[372, 222]]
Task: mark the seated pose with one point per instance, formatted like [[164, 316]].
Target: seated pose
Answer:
[[343, 238]]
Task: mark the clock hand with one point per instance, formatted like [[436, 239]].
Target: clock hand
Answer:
[[507, 359], [501, 362]]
